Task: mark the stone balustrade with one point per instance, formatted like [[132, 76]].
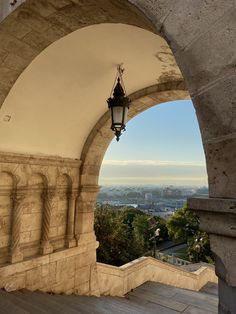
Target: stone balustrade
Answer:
[[117, 281], [38, 203]]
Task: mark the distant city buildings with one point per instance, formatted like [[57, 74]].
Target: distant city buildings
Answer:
[[158, 201]]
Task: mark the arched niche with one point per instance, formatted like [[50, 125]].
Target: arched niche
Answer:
[[7, 190]]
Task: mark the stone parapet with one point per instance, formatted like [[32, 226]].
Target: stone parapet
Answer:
[[67, 271], [217, 215], [117, 281], [38, 200]]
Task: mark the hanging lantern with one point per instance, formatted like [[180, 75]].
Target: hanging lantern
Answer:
[[118, 105]]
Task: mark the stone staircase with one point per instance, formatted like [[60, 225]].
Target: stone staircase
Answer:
[[150, 298]]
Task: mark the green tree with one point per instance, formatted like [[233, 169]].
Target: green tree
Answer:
[[112, 235], [183, 225], [199, 248], [123, 234]]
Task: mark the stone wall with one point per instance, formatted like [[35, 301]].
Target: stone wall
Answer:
[[37, 197], [66, 271], [117, 281], [46, 241]]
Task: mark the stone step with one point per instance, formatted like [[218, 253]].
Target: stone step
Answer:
[[157, 288], [149, 307], [19, 298], [44, 302], [135, 307], [201, 300], [210, 288], [9, 306], [81, 304], [196, 310], [160, 300], [151, 298]]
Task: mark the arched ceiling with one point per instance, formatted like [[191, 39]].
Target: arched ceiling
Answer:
[[58, 99]]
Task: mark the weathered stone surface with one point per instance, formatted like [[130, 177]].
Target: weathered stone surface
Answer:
[[157, 11], [36, 24], [220, 156], [15, 28], [197, 18], [117, 281], [202, 67], [216, 109], [42, 7], [37, 40], [218, 218], [227, 298], [57, 273], [17, 176]]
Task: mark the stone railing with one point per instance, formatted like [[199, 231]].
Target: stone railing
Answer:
[[117, 281], [171, 259]]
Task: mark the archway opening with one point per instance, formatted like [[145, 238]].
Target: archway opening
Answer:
[[145, 181]]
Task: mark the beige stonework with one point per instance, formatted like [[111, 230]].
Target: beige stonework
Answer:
[[36, 24], [68, 271], [201, 35], [117, 281], [101, 135], [33, 223]]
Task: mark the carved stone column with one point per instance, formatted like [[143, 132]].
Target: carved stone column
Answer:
[[218, 218], [48, 198], [84, 227], [70, 229], [15, 250]]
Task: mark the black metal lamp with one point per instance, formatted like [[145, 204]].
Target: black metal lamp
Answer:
[[118, 105]]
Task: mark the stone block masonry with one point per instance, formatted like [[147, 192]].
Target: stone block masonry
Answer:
[[46, 243], [67, 271]]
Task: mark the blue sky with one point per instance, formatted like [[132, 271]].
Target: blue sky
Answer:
[[161, 146]]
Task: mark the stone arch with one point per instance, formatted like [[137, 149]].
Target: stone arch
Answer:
[[201, 35], [23, 36], [98, 141], [187, 28], [7, 191], [101, 135]]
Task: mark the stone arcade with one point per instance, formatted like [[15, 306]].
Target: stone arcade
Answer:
[[57, 61]]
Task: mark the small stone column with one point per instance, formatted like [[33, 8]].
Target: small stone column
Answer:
[[15, 250], [218, 219], [70, 230], [48, 197], [84, 228]]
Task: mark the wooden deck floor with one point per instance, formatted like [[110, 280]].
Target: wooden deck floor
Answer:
[[149, 298]]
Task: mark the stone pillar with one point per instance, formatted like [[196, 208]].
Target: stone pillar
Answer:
[[15, 250], [70, 230], [86, 240], [84, 226], [48, 198], [218, 219]]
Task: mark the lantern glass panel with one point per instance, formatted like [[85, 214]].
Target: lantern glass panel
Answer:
[[118, 115], [126, 115]]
